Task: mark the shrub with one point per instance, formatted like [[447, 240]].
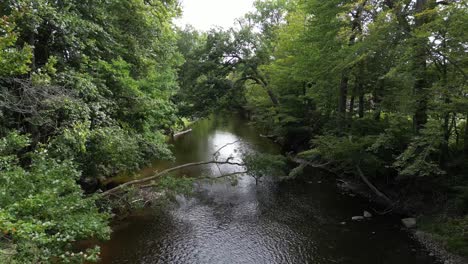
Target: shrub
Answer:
[[43, 211], [108, 151]]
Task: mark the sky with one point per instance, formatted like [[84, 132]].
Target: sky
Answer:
[[204, 14]]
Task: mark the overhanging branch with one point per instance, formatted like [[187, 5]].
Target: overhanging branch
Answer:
[[165, 172]]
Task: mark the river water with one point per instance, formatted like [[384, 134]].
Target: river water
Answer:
[[298, 221]]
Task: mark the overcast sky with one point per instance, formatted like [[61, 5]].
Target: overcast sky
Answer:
[[204, 14]]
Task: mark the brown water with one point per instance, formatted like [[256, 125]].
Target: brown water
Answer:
[[275, 222]]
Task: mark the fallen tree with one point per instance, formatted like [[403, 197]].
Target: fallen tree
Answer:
[[257, 165], [167, 171]]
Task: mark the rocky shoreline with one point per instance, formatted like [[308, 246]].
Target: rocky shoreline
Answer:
[[427, 240], [437, 249]]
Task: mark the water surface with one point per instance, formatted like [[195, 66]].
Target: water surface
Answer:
[[230, 222]]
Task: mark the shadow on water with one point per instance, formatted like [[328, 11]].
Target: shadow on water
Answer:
[[275, 222]]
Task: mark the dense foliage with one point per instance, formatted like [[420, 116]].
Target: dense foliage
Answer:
[[85, 95]]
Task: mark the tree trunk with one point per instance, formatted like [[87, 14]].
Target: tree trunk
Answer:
[[343, 94], [360, 88], [421, 85], [356, 28], [420, 88], [444, 148], [466, 136], [272, 96], [262, 81], [351, 108], [361, 105], [420, 94], [343, 97], [455, 129], [378, 99]]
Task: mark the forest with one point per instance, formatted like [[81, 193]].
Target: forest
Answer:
[[374, 91]]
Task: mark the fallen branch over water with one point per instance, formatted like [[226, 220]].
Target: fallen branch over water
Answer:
[[167, 171], [218, 152], [182, 133], [152, 185]]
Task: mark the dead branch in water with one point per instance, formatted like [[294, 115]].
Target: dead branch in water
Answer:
[[324, 166], [373, 188], [178, 134]]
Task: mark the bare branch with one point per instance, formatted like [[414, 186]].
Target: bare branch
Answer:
[[224, 175], [221, 148], [23, 97], [452, 62], [164, 172]]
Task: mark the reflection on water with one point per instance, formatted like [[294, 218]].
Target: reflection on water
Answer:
[[274, 222]]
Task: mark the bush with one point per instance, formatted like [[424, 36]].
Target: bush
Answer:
[[108, 151], [43, 211], [368, 126], [261, 164], [419, 158], [347, 152]]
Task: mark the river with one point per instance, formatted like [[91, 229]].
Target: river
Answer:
[[298, 221]]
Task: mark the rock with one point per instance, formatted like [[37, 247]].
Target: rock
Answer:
[[367, 214], [357, 218], [409, 222], [343, 223]]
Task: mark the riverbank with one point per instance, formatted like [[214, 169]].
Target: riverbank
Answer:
[[435, 244], [428, 199], [437, 248], [442, 239]]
